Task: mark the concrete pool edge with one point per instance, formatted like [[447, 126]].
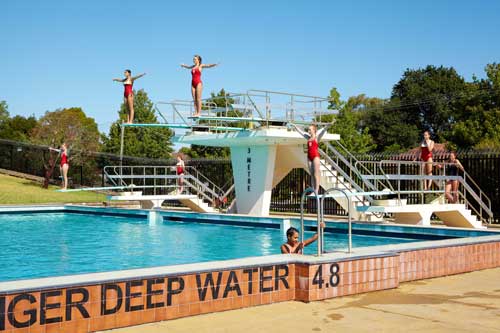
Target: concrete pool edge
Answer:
[[97, 301]]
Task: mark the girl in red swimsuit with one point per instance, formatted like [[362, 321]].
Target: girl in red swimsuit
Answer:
[[196, 84], [313, 137], [426, 148], [180, 172], [128, 94]]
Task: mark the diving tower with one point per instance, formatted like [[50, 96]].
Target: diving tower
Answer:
[[260, 159], [264, 148]]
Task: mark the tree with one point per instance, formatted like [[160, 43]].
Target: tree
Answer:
[[17, 128], [347, 122], [4, 111], [430, 98], [150, 142], [480, 124], [389, 130], [71, 126]]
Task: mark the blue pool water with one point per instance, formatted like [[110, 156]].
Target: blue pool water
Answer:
[[51, 244]]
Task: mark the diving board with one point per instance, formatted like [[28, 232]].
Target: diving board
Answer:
[[151, 201], [452, 215]]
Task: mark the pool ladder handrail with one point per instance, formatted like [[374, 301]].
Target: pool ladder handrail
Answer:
[[320, 200], [320, 233]]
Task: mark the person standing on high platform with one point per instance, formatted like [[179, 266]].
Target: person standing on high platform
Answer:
[[128, 94], [426, 148], [196, 84], [313, 137]]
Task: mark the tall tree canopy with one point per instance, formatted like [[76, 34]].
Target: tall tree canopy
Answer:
[[69, 125], [430, 98], [152, 142], [73, 127]]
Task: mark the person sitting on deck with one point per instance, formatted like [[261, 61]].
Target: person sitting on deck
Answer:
[[293, 245]]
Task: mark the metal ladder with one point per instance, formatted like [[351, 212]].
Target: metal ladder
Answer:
[[320, 200]]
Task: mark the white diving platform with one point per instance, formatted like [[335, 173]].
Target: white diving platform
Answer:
[[155, 201], [452, 215]]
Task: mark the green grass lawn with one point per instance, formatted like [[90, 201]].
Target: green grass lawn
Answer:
[[17, 191]]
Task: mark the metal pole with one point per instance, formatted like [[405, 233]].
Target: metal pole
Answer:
[[121, 145], [349, 233], [318, 206]]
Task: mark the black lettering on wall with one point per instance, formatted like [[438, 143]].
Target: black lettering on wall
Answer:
[[202, 291], [150, 293], [70, 303], [31, 313], [236, 287], [2, 313], [44, 306], [264, 278], [129, 295], [174, 291], [104, 299], [280, 277], [250, 272]]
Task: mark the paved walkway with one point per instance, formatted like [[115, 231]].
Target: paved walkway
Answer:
[[460, 303]]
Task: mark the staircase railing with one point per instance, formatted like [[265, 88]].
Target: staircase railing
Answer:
[[413, 171], [159, 178]]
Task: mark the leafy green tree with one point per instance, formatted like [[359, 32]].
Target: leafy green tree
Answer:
[[430, 98], [73, 127], [17, 128], [388, 128], [480, 124], [348, 122], [4, 111], [150, 142]]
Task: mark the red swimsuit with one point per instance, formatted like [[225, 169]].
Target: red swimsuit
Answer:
[[312, 149], [426, 154], [64, 159], [196, 73], [180, 170], [128, 90]]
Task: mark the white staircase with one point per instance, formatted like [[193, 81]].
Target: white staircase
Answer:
[[200, 194], [344, 171]]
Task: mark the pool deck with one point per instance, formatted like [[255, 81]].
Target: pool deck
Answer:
[[460, 303]]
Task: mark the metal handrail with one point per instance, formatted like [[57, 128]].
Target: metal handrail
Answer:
[[320, 236], [481, 198], [352, 167], [113, 173], [351, 182], [349, 216]]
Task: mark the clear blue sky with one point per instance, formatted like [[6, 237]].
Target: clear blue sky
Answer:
[[64, 53]]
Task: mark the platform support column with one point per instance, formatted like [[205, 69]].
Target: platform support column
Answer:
[[253, 171]]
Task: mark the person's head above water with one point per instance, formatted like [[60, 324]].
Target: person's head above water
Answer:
[[292, 235], [197, 60]]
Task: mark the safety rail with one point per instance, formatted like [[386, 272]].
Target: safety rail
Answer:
[[263, 107], [158, 178], [351, 165], [319, 218], [410, 174], [346, 181]]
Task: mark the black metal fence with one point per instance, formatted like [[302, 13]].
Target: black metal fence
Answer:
[[483, 166]]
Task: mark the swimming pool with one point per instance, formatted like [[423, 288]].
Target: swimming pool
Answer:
[[111, 268], [44, 244]]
